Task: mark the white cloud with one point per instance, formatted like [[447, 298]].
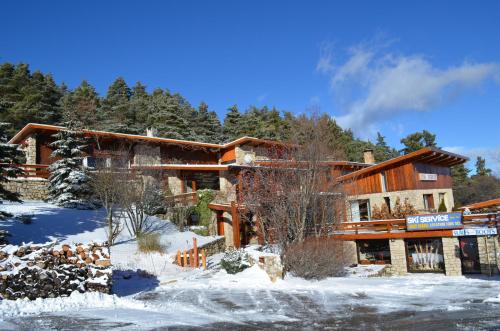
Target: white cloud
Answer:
[[491, 155], [381, 86]]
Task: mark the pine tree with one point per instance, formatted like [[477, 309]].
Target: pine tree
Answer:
[[80, 106], [139, 105], [208, 127], [9, 156], [69, 183], [481, 169], [233, 124], [166, 116], [115, 112], [382, 151], [415, 141]]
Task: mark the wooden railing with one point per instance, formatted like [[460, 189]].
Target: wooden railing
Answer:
[[31, 170], [395, 225], [184, 198]]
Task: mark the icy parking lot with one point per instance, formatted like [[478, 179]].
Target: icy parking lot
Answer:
[[249, 301], [177, 298]]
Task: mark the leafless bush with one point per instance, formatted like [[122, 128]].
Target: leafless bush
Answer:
[[107, 184], [150, 242], [315, 258], [180, 215]]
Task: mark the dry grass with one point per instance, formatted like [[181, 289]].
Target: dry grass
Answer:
[[150, 242]]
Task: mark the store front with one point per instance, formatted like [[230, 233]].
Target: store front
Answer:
[[374, 251], [425, 255]]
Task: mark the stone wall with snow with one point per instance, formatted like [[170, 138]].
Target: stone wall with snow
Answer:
[[51, 270]]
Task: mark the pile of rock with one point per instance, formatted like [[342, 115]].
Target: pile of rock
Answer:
[[51, 270]]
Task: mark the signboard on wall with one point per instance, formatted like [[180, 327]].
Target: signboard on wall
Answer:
[[428, 177], [475, 232], [439, 221]]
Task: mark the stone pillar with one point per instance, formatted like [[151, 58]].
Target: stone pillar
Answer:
[[228, 229], [488, 252], [350, 252], [175, 182], [30, 150], [227, 184], [451, 253], [398, 257]]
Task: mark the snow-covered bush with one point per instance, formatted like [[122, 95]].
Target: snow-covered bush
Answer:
[[235, 260], [69, 185]]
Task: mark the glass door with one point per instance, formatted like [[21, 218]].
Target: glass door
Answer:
[[469, 254]]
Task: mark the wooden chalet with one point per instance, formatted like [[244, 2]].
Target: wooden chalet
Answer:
[[422, 179]]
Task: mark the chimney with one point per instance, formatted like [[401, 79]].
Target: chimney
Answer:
[[368, 156], [151, 132]]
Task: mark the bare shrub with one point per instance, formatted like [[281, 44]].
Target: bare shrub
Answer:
[[180, 215], [315, 258], [150, 242]]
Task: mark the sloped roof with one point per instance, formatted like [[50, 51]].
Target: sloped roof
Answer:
[[429, 155], [33, 127]]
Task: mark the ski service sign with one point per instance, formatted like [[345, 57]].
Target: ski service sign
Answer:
[[439, 221]]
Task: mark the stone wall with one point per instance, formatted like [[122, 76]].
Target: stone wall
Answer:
[[29, 188], [214, 247], [256, 153], [398, 257], [145, 154], [451, 252], [488, 254]]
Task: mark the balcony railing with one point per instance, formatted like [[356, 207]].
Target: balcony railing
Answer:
[[399, 225], [31, 170]]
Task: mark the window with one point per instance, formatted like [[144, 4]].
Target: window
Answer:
[[89, 162], [374, 251], [425, 255], [383, 181], [429, 202], [360, 210], [387, 201]]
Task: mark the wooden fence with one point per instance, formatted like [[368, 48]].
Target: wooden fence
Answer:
[[31, 170], [192, 258]]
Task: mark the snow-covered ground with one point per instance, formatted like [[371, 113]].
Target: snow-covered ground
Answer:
[[177, 297]]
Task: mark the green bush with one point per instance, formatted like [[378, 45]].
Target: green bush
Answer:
[[201, 231], [150, 242], [235, 261], [204, 213], [442, 207]]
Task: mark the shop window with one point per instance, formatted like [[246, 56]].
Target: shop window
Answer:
[[360, 210], [374, 251], [425, 255]]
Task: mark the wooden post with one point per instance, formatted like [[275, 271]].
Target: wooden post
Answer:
[[203, 259], [193, 185], [236, 225], [191, 259], [185, 259], [195, 252], [179, 260]]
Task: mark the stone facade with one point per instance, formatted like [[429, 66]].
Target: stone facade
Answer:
[[488, 248], [451, 252], [255, 153], [175, 182], [227, 184], [228, 229], [398, 257], [415, 197], [29, 188], [145, 154]]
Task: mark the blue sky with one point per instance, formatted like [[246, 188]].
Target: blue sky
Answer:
[[389, 66]]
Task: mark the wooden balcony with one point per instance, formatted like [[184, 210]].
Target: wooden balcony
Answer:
[[31, 170], [396, 228]]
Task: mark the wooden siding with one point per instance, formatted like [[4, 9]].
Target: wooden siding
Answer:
[[176, 154], [228, 155], [364, 185], [444, 179], [400, 178]]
